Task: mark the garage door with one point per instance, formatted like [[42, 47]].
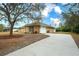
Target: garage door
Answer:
[[42, 30]]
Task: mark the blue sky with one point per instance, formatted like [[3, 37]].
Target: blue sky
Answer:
[[51, 15], [55, 15]]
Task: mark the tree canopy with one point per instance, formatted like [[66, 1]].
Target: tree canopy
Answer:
[[72, 16], [14, 12]]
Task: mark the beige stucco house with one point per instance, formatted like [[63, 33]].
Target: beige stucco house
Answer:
[[36, 27]]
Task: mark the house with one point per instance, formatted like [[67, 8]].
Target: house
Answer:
[[36, 27]]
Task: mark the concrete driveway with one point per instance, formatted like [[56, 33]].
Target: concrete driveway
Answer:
[[55, 45]]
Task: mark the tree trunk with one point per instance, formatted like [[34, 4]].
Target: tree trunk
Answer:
[[11, 30]]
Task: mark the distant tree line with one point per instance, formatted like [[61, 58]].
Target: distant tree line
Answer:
[[71, 18], [1, 27]]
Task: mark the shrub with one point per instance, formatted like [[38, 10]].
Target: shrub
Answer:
[[1, 27], [76, 29]]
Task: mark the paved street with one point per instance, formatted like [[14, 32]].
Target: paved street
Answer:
[[55, 45]]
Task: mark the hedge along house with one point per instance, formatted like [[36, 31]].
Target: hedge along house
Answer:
[[36, 27]]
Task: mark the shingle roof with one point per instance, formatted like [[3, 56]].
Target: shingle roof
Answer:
[[38, 24]]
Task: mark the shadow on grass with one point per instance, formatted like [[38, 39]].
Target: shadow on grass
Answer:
[[9, 45]]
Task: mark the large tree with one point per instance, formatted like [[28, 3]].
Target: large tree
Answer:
[[14, 12], [71, 15], [36, 12]]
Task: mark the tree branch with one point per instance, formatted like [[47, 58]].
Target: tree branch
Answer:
[[21, 13]]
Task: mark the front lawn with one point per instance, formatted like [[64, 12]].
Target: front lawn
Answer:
[[10, 44], [76, 38]]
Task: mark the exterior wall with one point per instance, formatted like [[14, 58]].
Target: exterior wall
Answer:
[[36, 29], [49, 30], [26, 29]]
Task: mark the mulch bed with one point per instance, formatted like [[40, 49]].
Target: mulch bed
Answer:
[[9, 44]]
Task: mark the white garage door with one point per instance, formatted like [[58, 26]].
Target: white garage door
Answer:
[[42, 30]]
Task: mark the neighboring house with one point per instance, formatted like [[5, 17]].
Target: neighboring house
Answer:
[[36, 27]]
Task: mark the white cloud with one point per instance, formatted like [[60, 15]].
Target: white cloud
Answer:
[[48, 9], [55, 21], [58, 10], [51, 19], [64, 3]]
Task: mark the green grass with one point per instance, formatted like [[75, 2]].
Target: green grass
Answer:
[[76, 38]]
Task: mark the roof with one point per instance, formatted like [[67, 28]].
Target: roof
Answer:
[[37, 24]]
